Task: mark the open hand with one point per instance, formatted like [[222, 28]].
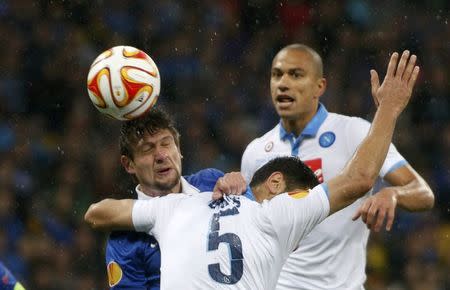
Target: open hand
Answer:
[[377, 208], [397, 86]]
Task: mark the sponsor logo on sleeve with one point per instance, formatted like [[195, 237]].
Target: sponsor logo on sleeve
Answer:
[[114, 273], [327, 139], [298, 194]]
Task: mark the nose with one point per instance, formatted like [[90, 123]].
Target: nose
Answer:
[[160, 155], [283, 83]]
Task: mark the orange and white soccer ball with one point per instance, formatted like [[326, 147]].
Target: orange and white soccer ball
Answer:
[[123, 82]]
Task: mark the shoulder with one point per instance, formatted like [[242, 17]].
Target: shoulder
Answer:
[[340, 119], [345, 125], [204, 179], [266, 137], [126, 243]]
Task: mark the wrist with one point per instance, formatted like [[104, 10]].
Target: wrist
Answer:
[[389, 110], [395, 193]]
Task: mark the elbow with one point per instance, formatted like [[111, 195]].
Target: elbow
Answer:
[[429, 200], [91, 217]]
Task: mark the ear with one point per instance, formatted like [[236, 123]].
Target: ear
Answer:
[[128, 164], [321, 87], [275, 183]]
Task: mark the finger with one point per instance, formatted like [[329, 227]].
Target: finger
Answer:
[[413, 79], [217, 195], [364, 210], [221, 186], [409, 68], [392, 65], [402, 64], [371, 216], [375, 82], [390, 218], [356, 215], [379, 219]]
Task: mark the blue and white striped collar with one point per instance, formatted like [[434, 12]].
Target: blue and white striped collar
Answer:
[[311, 128]]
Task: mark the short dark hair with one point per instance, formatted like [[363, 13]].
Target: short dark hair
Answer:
[[297, 174], [151, 123], [314, 54]]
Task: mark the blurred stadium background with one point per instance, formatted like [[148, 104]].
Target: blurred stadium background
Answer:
[[58, 154]]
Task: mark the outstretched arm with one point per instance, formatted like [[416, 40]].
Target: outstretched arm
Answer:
[[361, 171], [111, 214]]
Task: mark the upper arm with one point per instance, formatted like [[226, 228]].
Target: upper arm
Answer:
[[402, 176], [293, 215], [110, 214], [357, 130], [151, 216]]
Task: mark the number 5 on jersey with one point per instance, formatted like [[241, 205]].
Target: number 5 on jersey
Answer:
[[235, 247]]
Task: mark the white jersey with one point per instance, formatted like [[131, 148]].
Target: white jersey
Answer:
[[333, 255], [233, 244]]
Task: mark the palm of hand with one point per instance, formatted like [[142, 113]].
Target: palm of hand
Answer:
[[396, 89]]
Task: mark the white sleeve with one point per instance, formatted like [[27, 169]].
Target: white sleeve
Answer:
[[248, 164], [293, 215], [357, 130], [151, 215]]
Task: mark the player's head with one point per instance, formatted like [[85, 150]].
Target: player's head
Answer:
[[150, 148], [282, 174], [296, 81]]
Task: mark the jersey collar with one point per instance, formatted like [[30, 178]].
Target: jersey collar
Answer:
[[311, 128], [186, 187]]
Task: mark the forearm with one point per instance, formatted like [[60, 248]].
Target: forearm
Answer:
[[365, 165], [361, 171], [110, 214], [415, 196]]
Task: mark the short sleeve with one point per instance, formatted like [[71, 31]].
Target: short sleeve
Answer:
[[248, 164], [357, 130], [293, 215], [150, 216]]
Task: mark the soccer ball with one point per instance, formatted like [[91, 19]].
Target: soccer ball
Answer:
[[123, 82]]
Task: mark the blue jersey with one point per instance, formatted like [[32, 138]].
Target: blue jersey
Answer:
[[7, 280], [133, 260]]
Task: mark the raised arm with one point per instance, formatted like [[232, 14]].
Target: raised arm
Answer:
[[361, 171], [111, 214]]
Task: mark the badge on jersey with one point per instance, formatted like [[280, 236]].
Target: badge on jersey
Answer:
[[327, 139], [114, 273], [316, 167], [269, 146], [298, 194]]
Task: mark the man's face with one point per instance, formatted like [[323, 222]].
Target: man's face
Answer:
[[295, 84], [157, 163]]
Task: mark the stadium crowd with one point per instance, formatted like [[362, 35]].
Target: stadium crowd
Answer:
[[58, 154]]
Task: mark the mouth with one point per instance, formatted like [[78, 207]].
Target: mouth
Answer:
[[284, 101], [164, 171]]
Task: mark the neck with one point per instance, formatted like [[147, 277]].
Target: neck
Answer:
[[297, 126], [153, 192]]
